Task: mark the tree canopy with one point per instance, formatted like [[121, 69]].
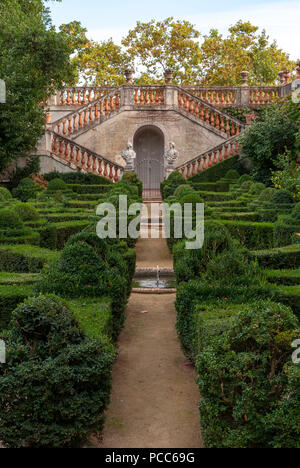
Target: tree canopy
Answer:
[[34, 60], [154, 46]]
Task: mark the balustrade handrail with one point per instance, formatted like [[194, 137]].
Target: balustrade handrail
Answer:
[[84, 108], [87, 150], [211, 107], [208, 152]]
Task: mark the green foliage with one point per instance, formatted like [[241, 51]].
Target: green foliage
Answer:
[[26, 212], [5, 194], [26, 190], [10, 220], [251, 235], [51, 362], [284, 257], [265, 140], [217, 171], [10, 297], [34, 62], [244, 178], [183, 190], [24, 258], [32, 166], [232, 174], [169, 185], [57, 184], [281, 197], [267, 194], [132, 179], [242, 377], [256, 188], [78, 178]]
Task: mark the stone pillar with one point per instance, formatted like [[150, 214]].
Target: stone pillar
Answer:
[[169, 168], [171, 96], [244, 90], [169, 75], [127, 96]]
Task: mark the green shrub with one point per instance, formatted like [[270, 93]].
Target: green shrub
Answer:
[[251, 235], [245, 178], [232, 174], [246, 186], [169, 185], [90, 189], [26, 190], [132, 179], [10, 220], [10, 297], [284, 257], [5, 194], [182, 190], [78, 178], [48, 236], [52, 363], [242, 377], [283, 277], [267, 194], [26, 212], [56, 184], [24, 258], [83, 270], [217, 171], [281, 197], [190, 264], [257, 188]]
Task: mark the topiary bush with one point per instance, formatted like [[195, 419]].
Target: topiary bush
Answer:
[[183, 190], [256, 188], [267, 194], [243, 380], [169, 185], [26, 212], [9, 220], [5, 194], [244, 178], [26, 190], [246, 186], [191, 264], [56, 184], [57, 381], [232, 174], [83, 270], [282, 197], [78, 178], [132, 179]]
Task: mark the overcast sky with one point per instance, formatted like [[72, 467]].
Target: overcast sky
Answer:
[[105, 19]]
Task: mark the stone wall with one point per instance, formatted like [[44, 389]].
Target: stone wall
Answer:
[[110, 138]]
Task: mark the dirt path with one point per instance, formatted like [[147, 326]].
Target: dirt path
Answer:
[[154, 402]]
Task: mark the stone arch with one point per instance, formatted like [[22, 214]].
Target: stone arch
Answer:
[[149, 145]]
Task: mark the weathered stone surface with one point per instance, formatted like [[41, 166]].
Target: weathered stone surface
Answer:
[[109, 138]]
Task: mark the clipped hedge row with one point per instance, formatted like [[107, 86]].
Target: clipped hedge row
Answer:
[[251, 235], [284, 257], [25, 258]]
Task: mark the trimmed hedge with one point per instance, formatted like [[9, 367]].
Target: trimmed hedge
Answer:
[[78, 178], [284, 257], [25, 258], [93, 315], [251, 235], [90, 189], [217, 171], [284, 277]]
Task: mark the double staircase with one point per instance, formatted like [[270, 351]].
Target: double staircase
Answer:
[[90, 107]]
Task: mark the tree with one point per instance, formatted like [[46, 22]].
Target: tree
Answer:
[[34, 60], [274, 134], [95, 63], [156, 46], [223, 59]]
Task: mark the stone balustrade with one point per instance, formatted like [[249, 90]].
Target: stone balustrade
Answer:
[[210, 158], [217, 96], [149, 95], [80, 95], [209, 114], [82, 158], [260, 96], [91, 113]]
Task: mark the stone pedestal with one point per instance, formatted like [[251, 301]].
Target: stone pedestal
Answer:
[[169, 168]]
